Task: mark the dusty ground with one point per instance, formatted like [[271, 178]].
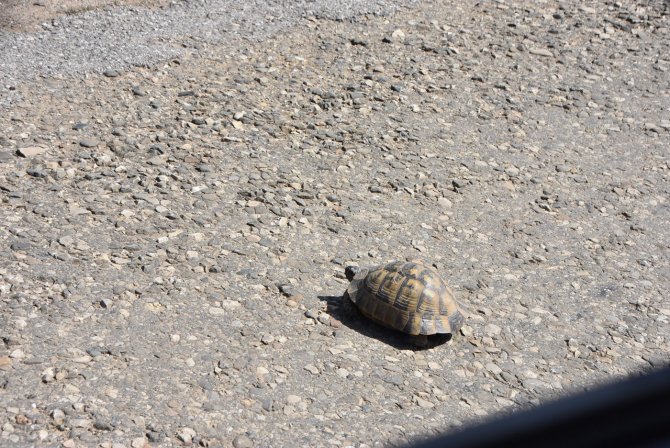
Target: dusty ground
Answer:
[[175, 237]]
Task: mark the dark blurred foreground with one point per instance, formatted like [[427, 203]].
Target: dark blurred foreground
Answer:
[[634, 413]]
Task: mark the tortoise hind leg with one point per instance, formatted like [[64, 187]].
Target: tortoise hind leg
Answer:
[[418, 341], [423, 341]]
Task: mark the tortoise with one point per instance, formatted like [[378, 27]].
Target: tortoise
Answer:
[[406, 296]]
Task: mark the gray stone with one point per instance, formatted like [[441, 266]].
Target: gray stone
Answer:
[[31, 151]]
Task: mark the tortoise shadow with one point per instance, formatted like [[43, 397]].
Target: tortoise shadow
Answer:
[[338, 308]]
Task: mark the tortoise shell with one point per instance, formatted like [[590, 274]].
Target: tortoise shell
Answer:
[[406, 296]]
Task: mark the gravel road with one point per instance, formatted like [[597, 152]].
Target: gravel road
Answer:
[[181, 193], [115, 38]]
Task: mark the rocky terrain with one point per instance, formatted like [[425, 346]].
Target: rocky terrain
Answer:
[[175, 231]]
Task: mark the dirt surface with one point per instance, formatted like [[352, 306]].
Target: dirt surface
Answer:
[[174, 237], [22, 15]]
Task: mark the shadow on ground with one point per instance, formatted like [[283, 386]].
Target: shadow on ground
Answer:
[[340, 308]]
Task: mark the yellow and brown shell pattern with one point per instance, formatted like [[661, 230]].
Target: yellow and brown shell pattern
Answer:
[[406, 296]]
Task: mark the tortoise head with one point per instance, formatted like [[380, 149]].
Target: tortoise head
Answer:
[[351, 271]]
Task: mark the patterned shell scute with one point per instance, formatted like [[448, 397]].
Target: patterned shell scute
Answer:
[[409, 297]]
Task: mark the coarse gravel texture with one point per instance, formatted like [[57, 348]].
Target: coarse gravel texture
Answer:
[[174, 236], [20, 16]]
